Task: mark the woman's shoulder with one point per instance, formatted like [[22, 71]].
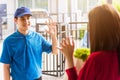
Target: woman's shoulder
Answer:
[[102, 55]]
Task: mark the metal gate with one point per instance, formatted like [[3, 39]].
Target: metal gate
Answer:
[[54, 65]]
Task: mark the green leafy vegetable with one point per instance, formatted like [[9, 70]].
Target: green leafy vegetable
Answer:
[[82, 53]]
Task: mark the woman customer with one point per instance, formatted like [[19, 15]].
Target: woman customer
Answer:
[[104, 61]]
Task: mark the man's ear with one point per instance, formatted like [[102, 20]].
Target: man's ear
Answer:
[[15, 20]]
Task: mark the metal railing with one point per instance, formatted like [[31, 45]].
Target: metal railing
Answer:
[[54, 65]]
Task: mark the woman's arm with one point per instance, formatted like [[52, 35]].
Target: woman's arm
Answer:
[[67, 48]]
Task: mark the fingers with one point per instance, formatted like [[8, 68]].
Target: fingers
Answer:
[[60, 48], [50, 23], [72, 43], [63, 44], [67, 42]]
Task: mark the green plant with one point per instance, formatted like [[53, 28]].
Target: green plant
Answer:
[[82, 53], [81, 33], [82, 30], [117, 4]]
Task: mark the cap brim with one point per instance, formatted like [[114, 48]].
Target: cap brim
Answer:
[[24, 14]]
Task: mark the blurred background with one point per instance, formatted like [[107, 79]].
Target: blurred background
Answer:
[[71, 18]]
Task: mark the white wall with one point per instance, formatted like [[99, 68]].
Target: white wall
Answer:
[[74, 6], [3, 1], [62, 6], [52, 6], [11, 6], [10, 24], [56, 6]]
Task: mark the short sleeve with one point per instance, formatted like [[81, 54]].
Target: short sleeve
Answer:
[[46, 45], [5, 56]]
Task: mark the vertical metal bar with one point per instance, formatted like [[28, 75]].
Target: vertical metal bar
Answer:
[[76, 26], [53, 64], [46, 63], [57, 66]]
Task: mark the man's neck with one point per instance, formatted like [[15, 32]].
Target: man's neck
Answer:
[[23, 32]]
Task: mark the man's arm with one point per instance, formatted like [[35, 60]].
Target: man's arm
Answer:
[[54, 44], [6, 71], [53, 33]]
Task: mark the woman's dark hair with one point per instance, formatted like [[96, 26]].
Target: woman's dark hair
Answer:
[[104, 23]]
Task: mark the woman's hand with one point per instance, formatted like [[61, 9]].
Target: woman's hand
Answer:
[[67, 48]]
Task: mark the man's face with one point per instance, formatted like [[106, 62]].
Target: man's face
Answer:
[[23, 22]]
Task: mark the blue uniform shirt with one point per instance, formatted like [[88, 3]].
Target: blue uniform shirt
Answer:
[[24, 54]]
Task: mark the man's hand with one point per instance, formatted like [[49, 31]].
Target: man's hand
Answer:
[[51, 27]]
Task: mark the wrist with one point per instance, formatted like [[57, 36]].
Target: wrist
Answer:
[[53, 36], [69, 63]]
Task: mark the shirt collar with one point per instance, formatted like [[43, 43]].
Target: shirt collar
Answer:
[[22, 35]]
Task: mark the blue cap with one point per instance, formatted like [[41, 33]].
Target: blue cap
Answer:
[[22, 11]]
